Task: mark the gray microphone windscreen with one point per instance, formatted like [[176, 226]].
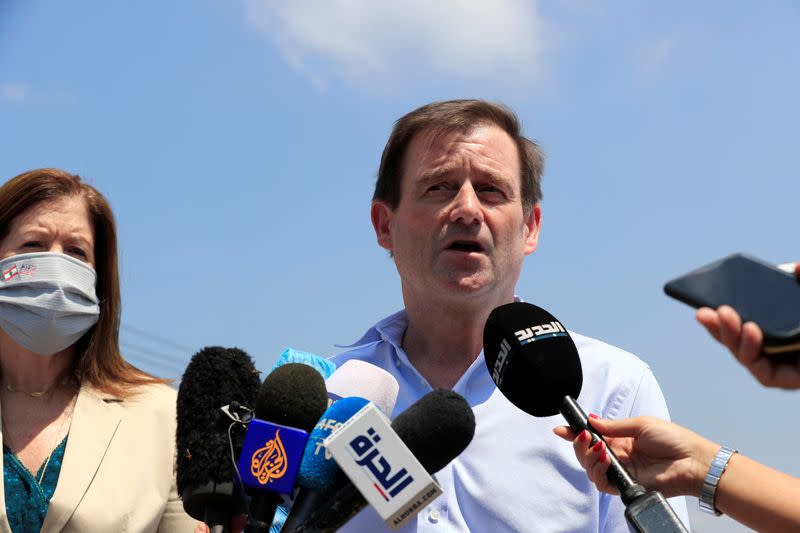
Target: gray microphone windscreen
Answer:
[[365, 380]]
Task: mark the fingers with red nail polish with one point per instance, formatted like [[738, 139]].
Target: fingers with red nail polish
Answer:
[[597, 463], [581, 446]]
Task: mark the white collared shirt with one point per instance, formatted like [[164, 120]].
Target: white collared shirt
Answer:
[[516, 475]]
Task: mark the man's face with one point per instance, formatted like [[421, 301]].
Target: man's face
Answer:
[[459, 228]]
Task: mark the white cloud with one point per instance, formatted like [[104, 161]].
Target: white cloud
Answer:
[[14, 92], [651, 58], [371, 41]]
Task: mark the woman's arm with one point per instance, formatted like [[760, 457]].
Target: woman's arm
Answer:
[[674, 460]]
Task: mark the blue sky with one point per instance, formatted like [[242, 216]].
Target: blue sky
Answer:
[[238, 144]]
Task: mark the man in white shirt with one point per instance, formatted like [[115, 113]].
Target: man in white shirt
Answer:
[[457, 205]]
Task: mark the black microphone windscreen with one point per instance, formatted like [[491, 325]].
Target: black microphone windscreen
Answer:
[[214, 377], [292, 395], [436, 428], [531, 358]]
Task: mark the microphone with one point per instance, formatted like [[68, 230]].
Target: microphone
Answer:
[[319, 474], [436, 429], [290, 355], [535, 364], [365, 380], [215, 377], [289, 403], [356, 383]]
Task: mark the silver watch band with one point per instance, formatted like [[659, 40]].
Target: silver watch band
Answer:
[[715, 471]]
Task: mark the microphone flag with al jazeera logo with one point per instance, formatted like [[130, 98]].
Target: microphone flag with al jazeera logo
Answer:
[[265, 463], [289, 404]]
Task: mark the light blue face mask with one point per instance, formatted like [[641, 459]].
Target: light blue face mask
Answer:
[[47, 300]]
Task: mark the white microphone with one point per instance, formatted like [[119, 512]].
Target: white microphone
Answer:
[[365, 380]]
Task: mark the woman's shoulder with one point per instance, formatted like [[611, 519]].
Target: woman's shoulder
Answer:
[[156, 397]]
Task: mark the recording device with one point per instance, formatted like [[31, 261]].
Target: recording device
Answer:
[[352, 386], [436, 429], [535, 364], [758, 291], [290, 401], [215, 377]]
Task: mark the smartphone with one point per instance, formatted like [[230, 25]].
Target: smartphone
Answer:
[[758, 291]]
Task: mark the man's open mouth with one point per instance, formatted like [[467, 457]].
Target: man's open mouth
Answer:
[[465, 246]]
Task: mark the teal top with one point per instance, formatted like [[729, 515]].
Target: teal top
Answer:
[[27, 499]]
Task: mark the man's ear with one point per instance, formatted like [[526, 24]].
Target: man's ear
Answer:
[[381, 215], [533, 223]]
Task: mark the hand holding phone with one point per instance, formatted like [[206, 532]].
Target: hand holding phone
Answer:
[[740, 285], [745, 341], [757, 291]]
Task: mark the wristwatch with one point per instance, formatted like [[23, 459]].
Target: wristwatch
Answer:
[[715, 471]]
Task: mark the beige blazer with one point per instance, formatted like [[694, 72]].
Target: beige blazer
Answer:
[[118, 472]]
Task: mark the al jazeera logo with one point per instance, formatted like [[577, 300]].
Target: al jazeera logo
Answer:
[[270, 456], [269, 462]]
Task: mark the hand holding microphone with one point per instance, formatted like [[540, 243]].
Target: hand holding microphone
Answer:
[[676, 461], [535, 364], [661, 455]]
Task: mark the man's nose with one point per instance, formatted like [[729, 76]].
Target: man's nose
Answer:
[[466, 206]]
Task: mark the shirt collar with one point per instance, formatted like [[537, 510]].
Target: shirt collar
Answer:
[[390, 329]]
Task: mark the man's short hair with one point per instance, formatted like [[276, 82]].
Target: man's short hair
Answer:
[[460, 116]]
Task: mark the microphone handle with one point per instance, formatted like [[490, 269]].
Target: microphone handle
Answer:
[[262, 512], [305, 503], [618, 476], [646, 512], [336, 511], [216, 519]]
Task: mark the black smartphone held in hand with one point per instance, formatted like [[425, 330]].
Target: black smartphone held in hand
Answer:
[[758, 291]]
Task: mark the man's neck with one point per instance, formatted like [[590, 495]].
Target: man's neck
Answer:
[[443, 341]]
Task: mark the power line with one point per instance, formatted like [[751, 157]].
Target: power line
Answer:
[[168, 358], [157, 339], [170, 364]]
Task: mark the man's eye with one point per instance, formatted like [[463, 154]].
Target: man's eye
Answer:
[[439, 187], [491, 190], [32, 244]]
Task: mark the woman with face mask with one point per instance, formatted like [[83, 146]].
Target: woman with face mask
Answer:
[[88, 439]]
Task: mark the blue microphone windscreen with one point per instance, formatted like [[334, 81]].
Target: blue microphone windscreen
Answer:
[[290, 355], [318, 470]]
